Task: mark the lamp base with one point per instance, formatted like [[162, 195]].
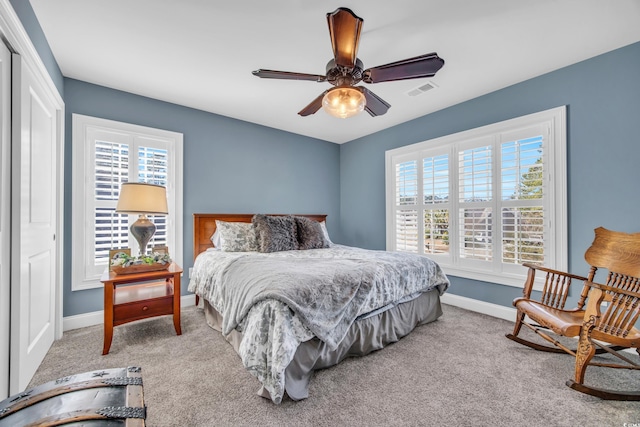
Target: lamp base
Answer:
[[143, 230]]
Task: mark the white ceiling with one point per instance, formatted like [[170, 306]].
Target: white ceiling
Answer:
[[200, 53]]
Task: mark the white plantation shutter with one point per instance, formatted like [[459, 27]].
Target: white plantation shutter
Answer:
[[111, 232], [436, 179], [475, 193], [406, 199], [522, 168], [407, 231], [475, 237], [436, 231], [474, 171], [106, 155], [523, 235], [153, 165], [491, 198], [435, 173], [407, 183], [523, 212], [111, 166]]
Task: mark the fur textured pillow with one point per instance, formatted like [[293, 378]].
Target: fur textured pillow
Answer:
[[310, 234], [275, 233]]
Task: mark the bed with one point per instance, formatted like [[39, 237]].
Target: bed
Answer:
[[290, 312]]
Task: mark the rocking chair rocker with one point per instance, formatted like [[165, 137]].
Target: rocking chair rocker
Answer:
[[600, 328]]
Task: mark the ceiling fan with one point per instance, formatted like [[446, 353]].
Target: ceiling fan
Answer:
[[345, 70]]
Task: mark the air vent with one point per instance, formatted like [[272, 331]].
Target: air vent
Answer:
[[422, 89]]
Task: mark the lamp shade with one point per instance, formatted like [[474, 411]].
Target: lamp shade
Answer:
[[343, 102], [142, 198]]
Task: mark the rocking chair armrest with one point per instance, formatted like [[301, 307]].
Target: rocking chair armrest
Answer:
[[552, 271], [528, 285]]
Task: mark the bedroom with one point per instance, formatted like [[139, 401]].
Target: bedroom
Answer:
[[346, 181]]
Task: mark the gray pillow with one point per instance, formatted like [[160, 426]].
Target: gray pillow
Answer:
[[310, 234], [275, 233], [236, 236]]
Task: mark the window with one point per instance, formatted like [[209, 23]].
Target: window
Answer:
[[484, 201], [106, 154]]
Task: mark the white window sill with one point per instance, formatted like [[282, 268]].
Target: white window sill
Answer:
[[506, 279]]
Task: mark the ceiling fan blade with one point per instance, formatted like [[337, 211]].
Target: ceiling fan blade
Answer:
[[314, 106], [412, 68], [272, 74], [375, 105], [344, 29]]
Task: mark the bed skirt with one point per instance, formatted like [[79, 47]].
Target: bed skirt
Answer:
[[367, 334]]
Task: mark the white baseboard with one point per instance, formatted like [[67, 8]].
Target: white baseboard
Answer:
[[495, 310], [97, 317]]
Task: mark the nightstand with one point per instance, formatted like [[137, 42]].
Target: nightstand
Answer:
[[130, 297]]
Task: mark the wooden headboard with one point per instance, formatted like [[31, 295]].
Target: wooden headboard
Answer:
[[204, 225]]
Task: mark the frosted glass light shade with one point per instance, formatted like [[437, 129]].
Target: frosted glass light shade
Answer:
[[343, 102], [141, 198]]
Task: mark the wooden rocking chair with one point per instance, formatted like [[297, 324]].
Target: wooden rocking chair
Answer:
[[598, 332]]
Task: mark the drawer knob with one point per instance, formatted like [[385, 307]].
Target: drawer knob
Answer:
[[145, 308]]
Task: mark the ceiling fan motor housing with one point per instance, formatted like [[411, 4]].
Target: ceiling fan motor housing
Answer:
[[338, 75]]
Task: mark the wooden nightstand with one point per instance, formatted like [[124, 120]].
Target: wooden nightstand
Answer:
[[125, 301]]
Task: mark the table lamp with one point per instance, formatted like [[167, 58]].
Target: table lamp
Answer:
[[142, 199]]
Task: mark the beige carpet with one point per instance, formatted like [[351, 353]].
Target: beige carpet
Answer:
[[458, 371]]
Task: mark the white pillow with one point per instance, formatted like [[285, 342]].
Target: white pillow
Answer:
[[325, 232], [216, 238]]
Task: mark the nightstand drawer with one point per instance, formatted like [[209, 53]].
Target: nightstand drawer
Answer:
[[123, 313]]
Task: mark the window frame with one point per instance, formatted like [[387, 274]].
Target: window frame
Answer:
[[555, 191], [85, 274]]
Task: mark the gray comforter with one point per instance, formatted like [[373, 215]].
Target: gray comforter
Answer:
[[279, 300]]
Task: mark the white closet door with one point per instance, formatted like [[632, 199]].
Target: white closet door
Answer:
[[5, 215], [33, 260]]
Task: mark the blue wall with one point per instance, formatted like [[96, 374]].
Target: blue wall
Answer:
[[602, 96], [230, 166]]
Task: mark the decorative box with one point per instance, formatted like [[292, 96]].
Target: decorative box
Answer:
[[101, 398], [121, 261]]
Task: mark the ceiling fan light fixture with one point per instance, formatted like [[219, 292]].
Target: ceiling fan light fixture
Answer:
[[345, 71], [343, 102]]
